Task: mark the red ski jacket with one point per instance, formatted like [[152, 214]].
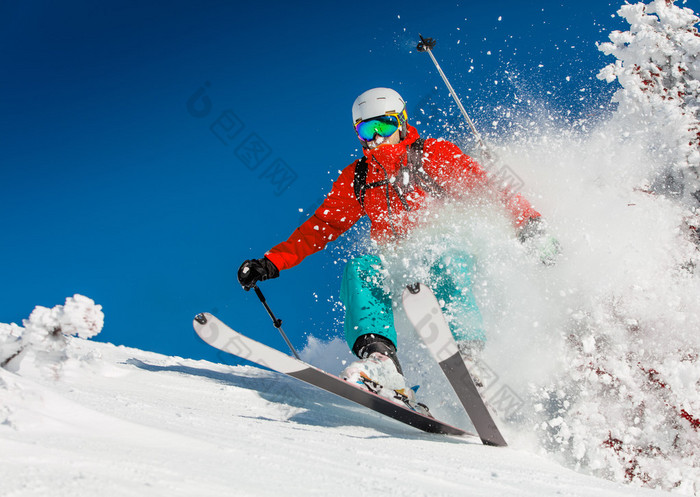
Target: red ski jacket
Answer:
[[391, 216]]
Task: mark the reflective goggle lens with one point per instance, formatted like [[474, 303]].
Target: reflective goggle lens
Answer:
[[383, 126]]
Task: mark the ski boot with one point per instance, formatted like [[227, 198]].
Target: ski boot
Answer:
[[378, 374], [378, 370]]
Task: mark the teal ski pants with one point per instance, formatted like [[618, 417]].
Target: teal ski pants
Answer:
[[365, 292]]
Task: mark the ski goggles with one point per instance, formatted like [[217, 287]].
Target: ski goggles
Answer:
[[383, 126]]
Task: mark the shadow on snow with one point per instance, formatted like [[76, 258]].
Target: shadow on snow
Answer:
[[320, 408]]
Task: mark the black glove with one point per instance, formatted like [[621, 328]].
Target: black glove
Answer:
[[255, 270]]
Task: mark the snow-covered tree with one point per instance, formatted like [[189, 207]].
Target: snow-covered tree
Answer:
[[45, 331], [658, 67], [626, 402], [10, 342], [628, 407]]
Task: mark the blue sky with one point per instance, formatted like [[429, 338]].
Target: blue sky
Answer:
[[126, 135]]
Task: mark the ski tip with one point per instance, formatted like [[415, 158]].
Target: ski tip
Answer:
[[201, 318]]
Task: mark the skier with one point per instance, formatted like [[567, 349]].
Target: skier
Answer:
[[393, 183]]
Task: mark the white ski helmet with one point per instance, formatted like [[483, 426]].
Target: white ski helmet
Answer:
[[378, 102]]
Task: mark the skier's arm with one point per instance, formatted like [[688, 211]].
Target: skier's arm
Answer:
[[460, 175], [338, 213]]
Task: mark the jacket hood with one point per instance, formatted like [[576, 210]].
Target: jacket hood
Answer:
[[389, 155]]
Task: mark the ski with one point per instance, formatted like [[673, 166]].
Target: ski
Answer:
[[219, 335], [423, 310]]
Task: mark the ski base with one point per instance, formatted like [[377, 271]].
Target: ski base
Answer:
[[424, 312], [219, 335]]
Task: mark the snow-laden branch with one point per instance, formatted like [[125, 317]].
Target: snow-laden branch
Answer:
[[45, 331], [658, 67]]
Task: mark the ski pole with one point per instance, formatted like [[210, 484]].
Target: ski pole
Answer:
[[275, 321], [500, 178], [427, 45]]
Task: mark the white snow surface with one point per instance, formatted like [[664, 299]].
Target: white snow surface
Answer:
[[121, 421]]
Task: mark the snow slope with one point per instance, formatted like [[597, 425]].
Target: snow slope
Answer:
[[121, 421]]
